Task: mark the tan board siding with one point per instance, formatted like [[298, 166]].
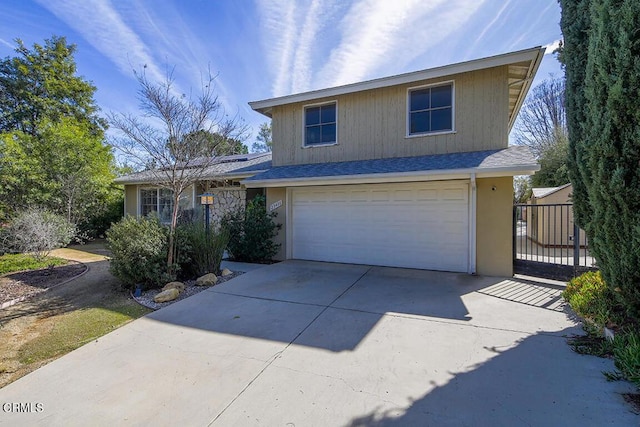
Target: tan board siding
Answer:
[[372, 124], [494, 256]]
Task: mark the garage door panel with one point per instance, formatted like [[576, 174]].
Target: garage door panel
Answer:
[[420, 225]]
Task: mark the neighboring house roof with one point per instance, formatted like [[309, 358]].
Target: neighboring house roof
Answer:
[[523, 66], [513, 160], [224, 167], [547, 191]]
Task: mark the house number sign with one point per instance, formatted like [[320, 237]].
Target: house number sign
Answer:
[[275, 205]]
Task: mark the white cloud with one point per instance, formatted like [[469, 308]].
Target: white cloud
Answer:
[[489, 26], [368, 36], [369, 31], [176, 45], [103, 27], [7, 44], [278, 18], [301, 74], [551, 47], [380, 33]]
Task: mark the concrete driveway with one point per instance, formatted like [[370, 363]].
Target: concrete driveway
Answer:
[[316, 344]]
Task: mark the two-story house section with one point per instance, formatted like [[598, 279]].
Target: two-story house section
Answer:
[[412, 170]]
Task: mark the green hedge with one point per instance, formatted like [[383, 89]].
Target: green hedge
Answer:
[[251, 232], [139, 251]]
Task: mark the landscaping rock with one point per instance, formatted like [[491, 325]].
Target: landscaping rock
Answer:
[[174, 285], [209, 279], [226, 272], [168, 295]]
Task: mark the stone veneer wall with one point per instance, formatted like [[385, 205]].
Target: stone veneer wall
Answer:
[[227, 200]]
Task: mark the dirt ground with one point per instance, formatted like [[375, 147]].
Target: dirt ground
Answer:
[[31, 319]]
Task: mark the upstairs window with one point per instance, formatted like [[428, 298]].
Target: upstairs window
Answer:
[[320, 125], [431, 109]]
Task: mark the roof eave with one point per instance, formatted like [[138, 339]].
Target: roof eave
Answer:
[[534, 54], [533, 70], [218, 177], [380, 178]]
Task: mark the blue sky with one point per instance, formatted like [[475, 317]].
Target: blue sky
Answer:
[[265, 48]]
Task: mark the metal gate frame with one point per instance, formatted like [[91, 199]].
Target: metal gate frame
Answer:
[[547, 242]]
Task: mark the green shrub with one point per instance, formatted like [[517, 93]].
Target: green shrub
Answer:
[[590, 297], [626, 352], [251, 232], [139, 251], [200, 252], [96, 226], [37, 232]]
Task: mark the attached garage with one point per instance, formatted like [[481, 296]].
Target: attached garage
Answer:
[[446, 212], [415, 225]]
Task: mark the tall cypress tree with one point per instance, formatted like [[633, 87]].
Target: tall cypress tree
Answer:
[[609, 153], [601, 55], [575, 23]]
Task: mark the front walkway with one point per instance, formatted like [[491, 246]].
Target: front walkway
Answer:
[[317, 344]]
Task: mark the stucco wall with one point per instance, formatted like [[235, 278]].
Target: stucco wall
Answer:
[[494, 228], [275, 195], [131, 200]]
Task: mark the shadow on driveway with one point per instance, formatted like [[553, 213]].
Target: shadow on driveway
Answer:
[[316, 344], [280, 301], [537, 382]]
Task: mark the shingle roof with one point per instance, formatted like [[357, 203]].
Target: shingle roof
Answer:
[[515, 156], [222, 168]]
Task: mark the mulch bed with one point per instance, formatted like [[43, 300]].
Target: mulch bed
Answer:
[[146, 299], [25, 284]]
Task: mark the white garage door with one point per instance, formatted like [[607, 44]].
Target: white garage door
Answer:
[[414, 225]]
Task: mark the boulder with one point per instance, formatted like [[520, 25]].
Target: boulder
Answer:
[[174, 285], [209, 279], [168, 295], [227, 272]]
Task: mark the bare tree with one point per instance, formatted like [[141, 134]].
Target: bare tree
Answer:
[[542, 122], [171, 135]]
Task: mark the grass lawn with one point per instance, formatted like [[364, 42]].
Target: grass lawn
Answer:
[[76, 328], [49, 325], [10, 263]]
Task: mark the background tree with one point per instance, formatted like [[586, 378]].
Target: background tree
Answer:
[[521, 189], [605, 147], [542, 126], [542, 121], [207, 142], [52, 151], [264, 142], [554, 171], [41, 83], [174, 136]]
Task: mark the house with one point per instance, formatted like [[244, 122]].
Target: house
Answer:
[[412, 170], [144, 195], [550, 217]]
